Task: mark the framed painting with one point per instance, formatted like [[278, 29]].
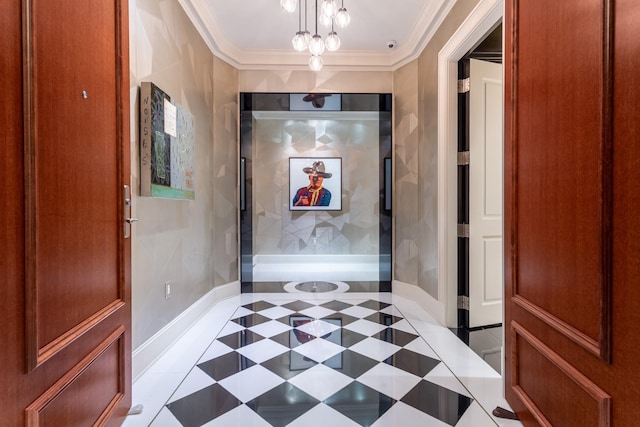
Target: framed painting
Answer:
[[315, 183]]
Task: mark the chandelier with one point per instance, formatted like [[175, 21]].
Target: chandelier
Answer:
[[330, 15]]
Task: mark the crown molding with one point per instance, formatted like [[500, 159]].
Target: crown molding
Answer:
[[430, 19]]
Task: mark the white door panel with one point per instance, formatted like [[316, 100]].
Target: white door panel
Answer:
[[485, 194]]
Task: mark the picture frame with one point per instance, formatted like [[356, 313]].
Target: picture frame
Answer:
[[308, 172]]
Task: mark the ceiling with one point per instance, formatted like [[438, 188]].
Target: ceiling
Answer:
[[256, 34]]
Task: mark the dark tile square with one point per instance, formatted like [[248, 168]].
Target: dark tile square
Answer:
[[251, 320], [336, 305], [439, 402], [374, 305], [292, 338], [412, 362], [282, 404], [395, 336], [287, 319], [297, 305], [289, 364], [344, 337], [362, 404], [203, 406], [240, 339], [226, 365], [383, 319], [350, 363], [340, 319], [258, 306]]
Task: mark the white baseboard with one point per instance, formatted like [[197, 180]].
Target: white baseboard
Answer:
[[149, 351], [431, 305]]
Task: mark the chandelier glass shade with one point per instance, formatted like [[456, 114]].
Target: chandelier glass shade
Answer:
[[342, 18], [333, 42], [315, 63], [328, 14], [288, 6]]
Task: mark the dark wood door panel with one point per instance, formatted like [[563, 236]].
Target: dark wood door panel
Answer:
[[65, 159], [97, 376], [563, 129], [572, 197], [73, 185]]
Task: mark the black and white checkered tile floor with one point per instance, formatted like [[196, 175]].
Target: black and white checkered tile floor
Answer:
[[295, 363], [342, 359]]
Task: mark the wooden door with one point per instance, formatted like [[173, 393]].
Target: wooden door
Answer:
[[485, 194], [66, 347], [572, 203]]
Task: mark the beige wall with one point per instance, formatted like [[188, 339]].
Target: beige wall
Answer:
[[325, 80], [353, 137], [415, 149], [192, 243]]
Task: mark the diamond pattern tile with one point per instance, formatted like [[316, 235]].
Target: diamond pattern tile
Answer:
[[311, 363]]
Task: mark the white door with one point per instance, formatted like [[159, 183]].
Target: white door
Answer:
[[485, 194]]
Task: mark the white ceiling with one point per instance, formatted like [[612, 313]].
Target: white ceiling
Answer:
[[256, 34]]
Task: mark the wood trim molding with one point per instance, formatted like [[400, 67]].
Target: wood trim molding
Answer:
[[33, 411], [52, 348], [602, 399], [28, 84], [583, 340], [483, 17]]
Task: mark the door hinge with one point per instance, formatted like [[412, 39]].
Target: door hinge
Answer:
[[463, 230], [464, 85], [463, 302], [463, 158]]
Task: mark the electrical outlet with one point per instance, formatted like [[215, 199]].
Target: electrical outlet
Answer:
[[167, 289]]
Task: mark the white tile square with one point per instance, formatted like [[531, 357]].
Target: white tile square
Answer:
[[392, 310], [365, 327], [442, 376], [389, 380], [402, 414], [319, 350], [357, 311], [250, 383], [270, 328], [240, 312], [375, 349], [241, 416], [420, 346], [276, 312], [321, 382], [317, 312], [216, 349], [230, 328], [404, 326], [322, 416], [164, 419], [475, 416], [262, 350], [196, 380], [318, 328]]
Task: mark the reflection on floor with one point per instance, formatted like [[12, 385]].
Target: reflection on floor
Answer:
[[346, 359], [485, 342]]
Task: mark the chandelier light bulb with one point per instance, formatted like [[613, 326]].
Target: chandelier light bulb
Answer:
[[288, 6], [316, 45], [329, 8], [333, 42], [325, 20], [315, 63], [300, 42], [343, 18]]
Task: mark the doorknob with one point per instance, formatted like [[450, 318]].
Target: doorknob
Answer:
[[128, 220]]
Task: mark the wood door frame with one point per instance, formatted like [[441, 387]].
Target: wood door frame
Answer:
[[479, 22]]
